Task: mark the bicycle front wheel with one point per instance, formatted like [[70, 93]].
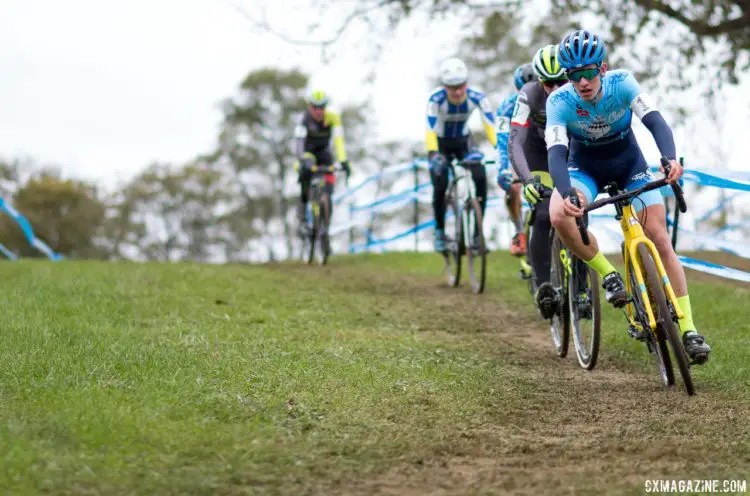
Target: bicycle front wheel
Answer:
[[322, 229], [663, 316], [477, 250], [527, 263], [585, 313], [454, 245], [308, 246], [655, 340], [560, 322]]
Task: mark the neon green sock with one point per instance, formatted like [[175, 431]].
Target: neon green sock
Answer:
[[601, 265], [686, 323]]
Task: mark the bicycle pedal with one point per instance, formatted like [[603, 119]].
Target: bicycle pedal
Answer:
[[636, 333]]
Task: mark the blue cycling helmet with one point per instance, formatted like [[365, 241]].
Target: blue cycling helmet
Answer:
[[581, 48], [523, 74]]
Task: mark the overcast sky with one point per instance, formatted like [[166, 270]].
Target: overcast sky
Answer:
[[102, 88]]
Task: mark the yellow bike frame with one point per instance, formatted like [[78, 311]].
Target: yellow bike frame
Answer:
[[634, 236]]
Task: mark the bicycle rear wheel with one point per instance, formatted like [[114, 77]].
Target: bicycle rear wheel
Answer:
[[476, 256], [663, 317], [560, 322], [454, 246], [583, 291], [322, 229]]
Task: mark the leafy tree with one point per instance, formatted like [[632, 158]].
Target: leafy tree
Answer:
[[68, 215], [257, 139], [171, 213], [713, 35]]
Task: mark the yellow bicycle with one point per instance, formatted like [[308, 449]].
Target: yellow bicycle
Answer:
[[652, 311]]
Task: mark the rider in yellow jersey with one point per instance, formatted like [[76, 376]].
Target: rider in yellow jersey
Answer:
[[315, 129], [448, 110]]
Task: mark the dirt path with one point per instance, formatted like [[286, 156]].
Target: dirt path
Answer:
[[613, 428]]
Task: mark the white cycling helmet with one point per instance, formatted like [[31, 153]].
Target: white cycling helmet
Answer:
[[453, 72]]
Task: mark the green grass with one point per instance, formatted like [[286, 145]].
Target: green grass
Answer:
[[367, 375], [720, 309]]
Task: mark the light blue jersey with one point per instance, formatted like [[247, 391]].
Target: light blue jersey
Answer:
[[596, 125], [603, 147]]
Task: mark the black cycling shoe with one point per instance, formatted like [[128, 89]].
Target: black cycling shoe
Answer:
[[546, 300], [696, 347], [583, 303], [615, 291]]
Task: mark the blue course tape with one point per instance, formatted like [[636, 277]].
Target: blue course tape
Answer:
[[8, 254], [720, 178], [390, 199], [707, 179], [28, 232], [722, 204], [730, 179], [717, 177], [715, 269], [388, 171], [396, 237]]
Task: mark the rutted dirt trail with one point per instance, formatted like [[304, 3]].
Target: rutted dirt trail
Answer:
[[614, 427]]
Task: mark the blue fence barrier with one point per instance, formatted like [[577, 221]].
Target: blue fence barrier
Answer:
[[418, 193]]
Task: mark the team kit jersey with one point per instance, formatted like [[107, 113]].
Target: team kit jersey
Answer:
[[447, 121], [315, 137], [603, 147]]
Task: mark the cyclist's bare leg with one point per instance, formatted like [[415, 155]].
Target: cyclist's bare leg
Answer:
[[513, 204], [653, 219], [566, 228]]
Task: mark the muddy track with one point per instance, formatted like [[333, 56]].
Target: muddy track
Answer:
[[577, 432]]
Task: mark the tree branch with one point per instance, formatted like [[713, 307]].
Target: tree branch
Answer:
[[355, 14], [698, 27]]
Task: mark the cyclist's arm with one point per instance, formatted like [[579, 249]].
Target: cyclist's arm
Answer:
[[662, 134], [488, 118], [504, 114], [501, 137], [642, 106], [300, 133], [519, 132], [556, 136], [338, 135], [431, 137]]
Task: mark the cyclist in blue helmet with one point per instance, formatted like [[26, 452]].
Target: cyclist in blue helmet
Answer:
[[595, 114], [506, 177]]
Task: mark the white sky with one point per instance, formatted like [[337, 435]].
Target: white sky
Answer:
[[102, 88]]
